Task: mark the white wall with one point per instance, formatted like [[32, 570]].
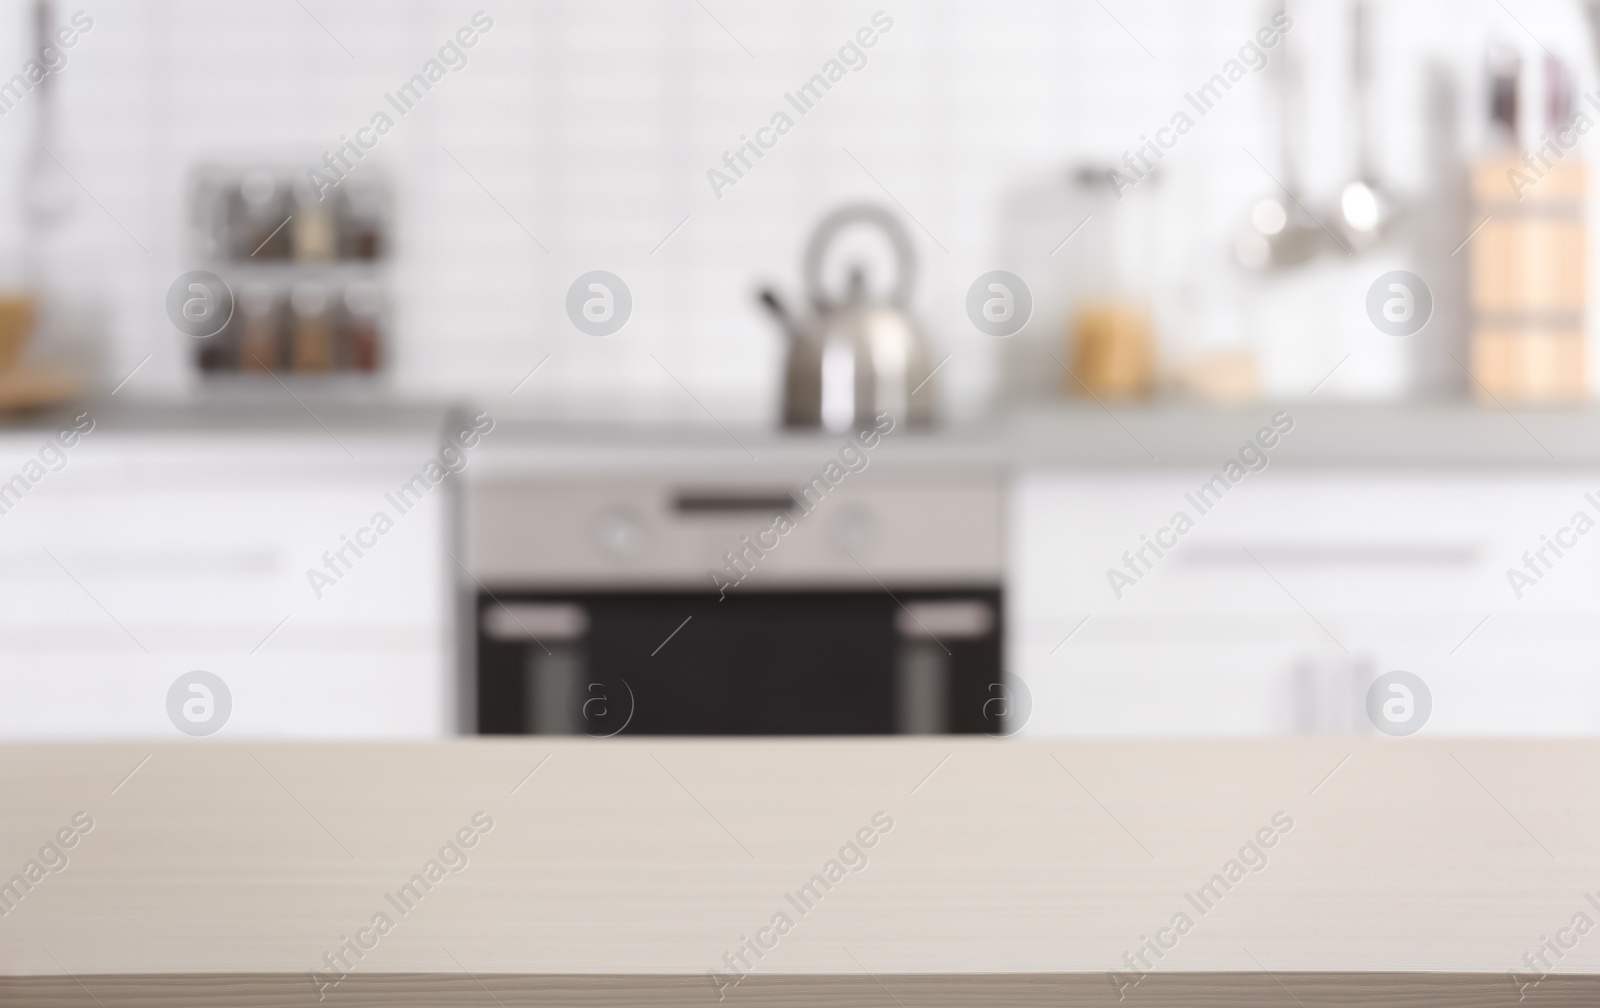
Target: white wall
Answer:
[[592, 122]]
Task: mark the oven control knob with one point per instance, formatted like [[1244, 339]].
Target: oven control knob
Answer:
[[853, 528], [619, 532]]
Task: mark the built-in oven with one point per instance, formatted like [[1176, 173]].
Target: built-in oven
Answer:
[[614, 607]]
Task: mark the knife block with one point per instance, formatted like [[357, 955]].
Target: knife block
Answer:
[[1529, 291]]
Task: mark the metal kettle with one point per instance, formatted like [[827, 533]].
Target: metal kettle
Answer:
[[855, 356]]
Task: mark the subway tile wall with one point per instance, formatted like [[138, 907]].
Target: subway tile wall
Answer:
[[579, 134]]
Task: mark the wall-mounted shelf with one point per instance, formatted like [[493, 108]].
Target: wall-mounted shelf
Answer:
[[308, 271]]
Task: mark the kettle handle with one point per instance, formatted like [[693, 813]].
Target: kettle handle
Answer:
[[860, 213]]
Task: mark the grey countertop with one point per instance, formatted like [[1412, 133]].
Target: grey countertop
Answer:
[[1066, 434], [1088, 435], [238, 416], [1453, 434]]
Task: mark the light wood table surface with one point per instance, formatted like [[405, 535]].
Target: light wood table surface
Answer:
[[623, 872]]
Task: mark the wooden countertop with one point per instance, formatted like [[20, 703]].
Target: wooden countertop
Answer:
[[624, 872]]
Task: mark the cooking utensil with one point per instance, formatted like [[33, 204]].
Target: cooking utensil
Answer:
[[45, 198], [856, 355], [1282, 233], [1367, 208], [1591, 13]]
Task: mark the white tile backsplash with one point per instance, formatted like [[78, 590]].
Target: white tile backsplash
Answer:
[[589, 126]]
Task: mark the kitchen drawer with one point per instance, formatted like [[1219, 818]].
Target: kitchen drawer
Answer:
[[1372, 546], [1284, 601], [142, 560]]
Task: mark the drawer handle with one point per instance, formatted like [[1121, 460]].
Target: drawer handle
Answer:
[[953, 619], [1333, 554], [548, 621]]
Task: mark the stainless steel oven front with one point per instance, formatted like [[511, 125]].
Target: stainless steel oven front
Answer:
[[618, 606]]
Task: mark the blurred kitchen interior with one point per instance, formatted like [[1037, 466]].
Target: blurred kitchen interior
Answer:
[[1174, 313]]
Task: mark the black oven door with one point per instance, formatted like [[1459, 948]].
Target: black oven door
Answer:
[[767, 663]]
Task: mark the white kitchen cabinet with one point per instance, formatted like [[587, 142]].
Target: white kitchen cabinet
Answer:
[[1276, 610], [150, 555]]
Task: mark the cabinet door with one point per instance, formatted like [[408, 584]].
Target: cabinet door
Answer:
[[1287, 594], [143, 560]]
